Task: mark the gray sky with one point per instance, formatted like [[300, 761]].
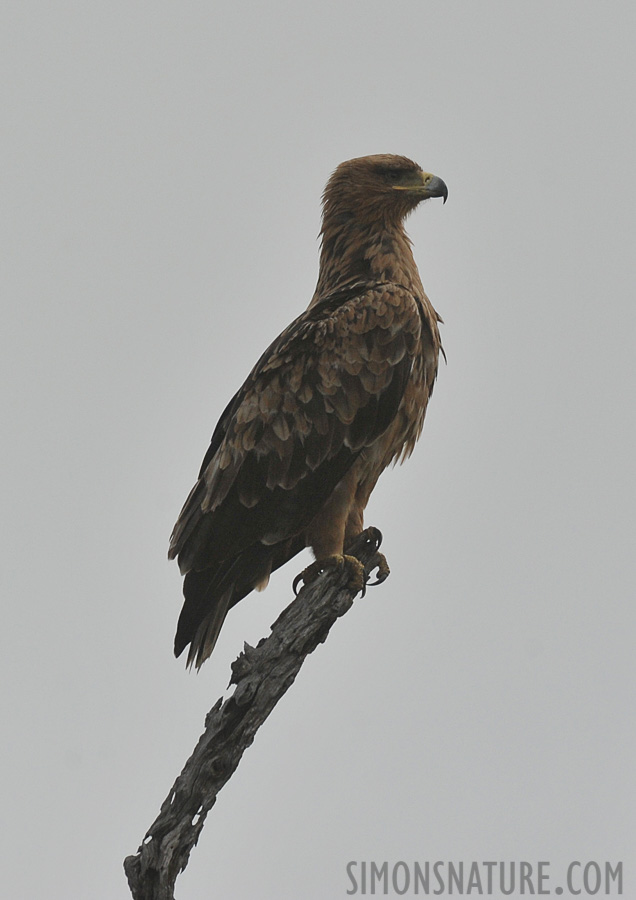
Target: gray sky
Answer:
[[162, 170]]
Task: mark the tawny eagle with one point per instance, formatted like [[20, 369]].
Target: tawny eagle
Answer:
[[339, 395]]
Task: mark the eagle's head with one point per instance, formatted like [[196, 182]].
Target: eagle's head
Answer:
[[378, 188]]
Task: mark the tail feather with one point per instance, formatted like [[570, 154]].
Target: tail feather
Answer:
[[205, 637], [204, 611], [211, 593]]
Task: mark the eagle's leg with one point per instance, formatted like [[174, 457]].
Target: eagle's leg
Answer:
[[355, 571], [338, 525], [328, 533]]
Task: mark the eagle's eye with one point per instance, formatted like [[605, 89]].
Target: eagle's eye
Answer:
[[393, 175]]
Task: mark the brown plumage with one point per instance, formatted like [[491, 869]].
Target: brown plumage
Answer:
[[339, 395]]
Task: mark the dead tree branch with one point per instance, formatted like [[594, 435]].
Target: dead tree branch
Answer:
[[261, 674]]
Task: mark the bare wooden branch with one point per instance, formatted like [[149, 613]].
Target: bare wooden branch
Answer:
[[262, 675]]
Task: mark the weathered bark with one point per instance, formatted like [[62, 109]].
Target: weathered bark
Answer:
[[261, 674]]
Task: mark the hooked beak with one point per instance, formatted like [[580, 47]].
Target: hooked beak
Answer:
[[425, 185]]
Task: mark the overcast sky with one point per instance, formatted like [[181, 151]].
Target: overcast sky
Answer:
[[162, 170]]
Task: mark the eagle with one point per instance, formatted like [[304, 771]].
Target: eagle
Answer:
[[336, 398]]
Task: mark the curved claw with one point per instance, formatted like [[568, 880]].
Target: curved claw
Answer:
[[376, 582], [383, 570], [374, 536], [312, 572], [369, 539], [353, 565]]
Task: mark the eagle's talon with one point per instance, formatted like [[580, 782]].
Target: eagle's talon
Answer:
[[370, 538], [384, 571], [296, 582], [308, 575], [356, 581], [374, 537]]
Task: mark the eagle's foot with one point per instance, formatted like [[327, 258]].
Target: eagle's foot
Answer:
[[355, 570], [371, 538]]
